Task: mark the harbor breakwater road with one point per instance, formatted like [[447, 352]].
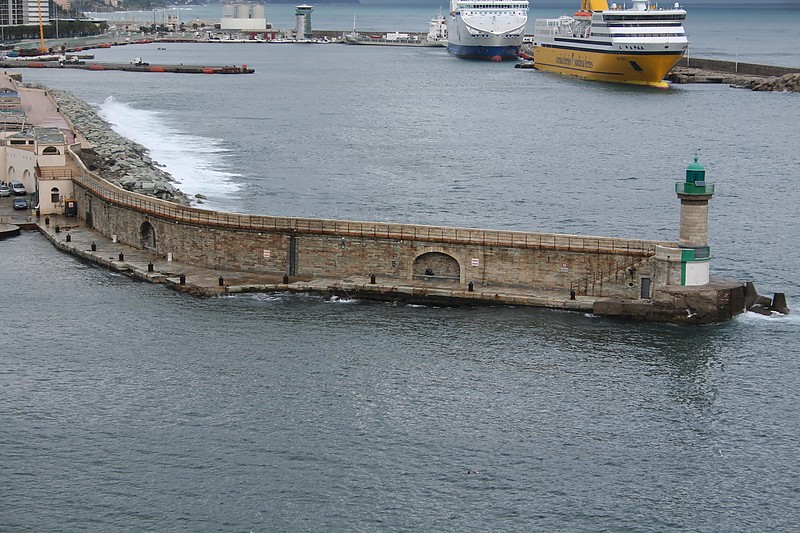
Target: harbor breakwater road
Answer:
[[130, 67]]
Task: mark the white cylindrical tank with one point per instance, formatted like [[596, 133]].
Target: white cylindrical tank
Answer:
[[228, 11], [258, 12], [242, 11]]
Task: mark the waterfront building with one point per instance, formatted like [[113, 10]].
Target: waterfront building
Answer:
[[24, 12], [36, 157], [302, 27], [246, 21]]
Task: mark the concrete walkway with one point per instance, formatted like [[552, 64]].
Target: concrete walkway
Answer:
[[74, 237]]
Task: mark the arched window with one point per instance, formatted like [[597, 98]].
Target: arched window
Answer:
[[55, 197], [51, 150]]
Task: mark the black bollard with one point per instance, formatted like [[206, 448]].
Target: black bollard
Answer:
[[121, 256], [372, 279], [470, 287], [94, 247], [150, 266], [285, 279], [572, 294], [46, 221], [58, 228], [69, 237], [221, 281], [183, 279]]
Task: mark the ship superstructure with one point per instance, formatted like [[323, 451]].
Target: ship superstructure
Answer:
[[636, 45]]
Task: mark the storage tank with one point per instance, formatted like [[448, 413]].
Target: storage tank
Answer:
[[258, 12], [242, 11], [228, 11]]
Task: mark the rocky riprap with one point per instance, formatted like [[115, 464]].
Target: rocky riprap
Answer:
[[115, 158], [788, 82]]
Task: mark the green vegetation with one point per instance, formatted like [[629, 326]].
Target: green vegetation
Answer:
[[128, 5], [66, 29]]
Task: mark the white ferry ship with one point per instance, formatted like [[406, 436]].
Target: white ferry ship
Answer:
[[636, 45], [486, 29]]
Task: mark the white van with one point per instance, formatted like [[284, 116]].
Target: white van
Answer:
[[17, 188]]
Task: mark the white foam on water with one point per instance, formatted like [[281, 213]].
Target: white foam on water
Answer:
[[338, 300], [778, 318], [194, 162]]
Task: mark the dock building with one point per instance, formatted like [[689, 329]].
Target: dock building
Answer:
[[302, 22], [245, 21]]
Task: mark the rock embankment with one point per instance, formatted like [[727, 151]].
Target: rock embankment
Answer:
[[112, 156], [788, 82]]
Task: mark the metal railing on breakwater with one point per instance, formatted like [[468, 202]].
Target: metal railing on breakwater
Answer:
[[345, 228]]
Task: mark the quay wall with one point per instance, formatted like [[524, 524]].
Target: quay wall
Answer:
[[337, 249], [751, 69]]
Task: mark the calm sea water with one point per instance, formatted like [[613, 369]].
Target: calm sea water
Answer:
[[128, 407]]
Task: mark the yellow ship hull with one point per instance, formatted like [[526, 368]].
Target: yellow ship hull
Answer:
[[619, 67]]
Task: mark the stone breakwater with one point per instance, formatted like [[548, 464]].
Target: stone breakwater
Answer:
[[788, 82], [116, 159]]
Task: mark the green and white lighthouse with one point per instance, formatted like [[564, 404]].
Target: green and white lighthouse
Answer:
[[694, 194]]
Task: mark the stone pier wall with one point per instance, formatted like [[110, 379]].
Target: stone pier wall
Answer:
[[315, 248], [751, 69]]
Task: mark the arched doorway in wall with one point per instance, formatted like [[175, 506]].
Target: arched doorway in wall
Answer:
[[437, 266], [11, 175], [51, 150], [148, 236]]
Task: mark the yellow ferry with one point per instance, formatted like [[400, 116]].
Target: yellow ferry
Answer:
[[636, 45]]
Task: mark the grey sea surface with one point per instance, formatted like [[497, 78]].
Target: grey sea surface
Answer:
[[126, 406]]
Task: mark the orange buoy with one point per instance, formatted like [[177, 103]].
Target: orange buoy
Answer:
[[157, 69], [497, 59], [208, 70]]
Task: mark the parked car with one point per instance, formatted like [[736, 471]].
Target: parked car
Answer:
[[20, 203], [18, 189], [4, 191]]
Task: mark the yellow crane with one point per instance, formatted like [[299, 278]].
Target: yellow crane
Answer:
[[41, 28]]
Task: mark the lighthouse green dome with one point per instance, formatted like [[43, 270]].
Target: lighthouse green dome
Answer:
[[695, 172]]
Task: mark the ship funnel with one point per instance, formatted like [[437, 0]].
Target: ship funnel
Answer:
[[594, 5]]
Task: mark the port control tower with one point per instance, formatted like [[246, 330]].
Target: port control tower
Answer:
[[302, 22]]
